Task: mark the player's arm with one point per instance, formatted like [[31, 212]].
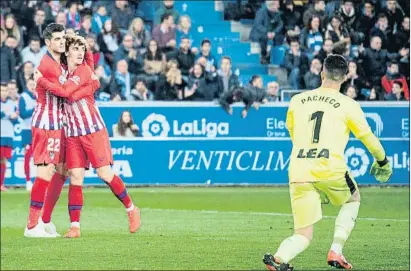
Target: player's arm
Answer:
[[359, 127], [88, 58], [290, 120], [90, 89]]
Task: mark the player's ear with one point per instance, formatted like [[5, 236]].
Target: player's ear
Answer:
[[47, 42], [322, 76]]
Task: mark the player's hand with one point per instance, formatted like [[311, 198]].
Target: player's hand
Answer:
[[37, 75], [381, 170], [94, 76]]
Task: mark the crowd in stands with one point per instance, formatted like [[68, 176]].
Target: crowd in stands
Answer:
[[140, 60]]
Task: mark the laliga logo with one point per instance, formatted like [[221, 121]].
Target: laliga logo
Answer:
[[155, 125], [379, 125], [357, 160]]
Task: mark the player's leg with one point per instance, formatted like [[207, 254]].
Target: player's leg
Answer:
[[75, 201], [27, 157], [98, 149], [46, 154], [3, 168], [343, 193], [306, 208]]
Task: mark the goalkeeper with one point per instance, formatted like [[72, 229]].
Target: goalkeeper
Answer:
[[319, 122]]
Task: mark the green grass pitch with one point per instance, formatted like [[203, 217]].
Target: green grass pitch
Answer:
[[202, 228]]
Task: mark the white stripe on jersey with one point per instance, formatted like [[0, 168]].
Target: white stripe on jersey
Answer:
[[101, 124], [71, 128], [91, 125], [44, 123], [37, 110], [79, 118], [55, 107]]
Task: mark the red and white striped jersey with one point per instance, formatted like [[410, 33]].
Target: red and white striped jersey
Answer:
[[48, 112], [83, 117]]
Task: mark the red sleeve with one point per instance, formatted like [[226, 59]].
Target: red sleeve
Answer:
[[85, 91], [405, 88], [89, 59]]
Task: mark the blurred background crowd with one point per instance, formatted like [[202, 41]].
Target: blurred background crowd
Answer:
[[249, 50]]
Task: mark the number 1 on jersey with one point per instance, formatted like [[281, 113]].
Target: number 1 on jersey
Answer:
[[317, 117]]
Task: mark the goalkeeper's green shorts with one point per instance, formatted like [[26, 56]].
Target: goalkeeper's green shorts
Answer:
[[306, 200]]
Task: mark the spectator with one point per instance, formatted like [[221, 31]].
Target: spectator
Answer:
[[61, 18], [13, 91], [170, 84], [12, 43], [104, 80], [7, 60], [375, 60], [273, 92], [165, 33], [366, 21], [140, 91], [185, 57], [256, 89], [192, 91], [33, 53], [268, 26], [13, 30], [132, 56], [354, 78], [296, 63], [227, 79], [98, 56], [205, 51], [167, 7], [121, 14], [108, 41], [99, 18], [154, 63], [318, 9], [85, 26], [37, 28], [381, 30], [326, 49], [141, 36], [336, 31], [126, 126], [351, 91], [121, 83], [312, 78], [348, 15], [393, 75], [24, 73], [375, 94], [397, 92], [292, 19], [394, 15], [183, 29], [51, 8], [311, 38], [73, 16], [239, 94], [402, 37]]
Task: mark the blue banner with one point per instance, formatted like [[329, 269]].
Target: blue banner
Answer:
[[199, 143], [220, 161], [210, 120]]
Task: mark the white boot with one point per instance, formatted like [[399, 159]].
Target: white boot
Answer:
[[37, 232], [50, 228]]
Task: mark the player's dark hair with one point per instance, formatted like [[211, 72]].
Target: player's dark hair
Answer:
[[204, 41], [335, 67], [399, 83], [52, 28]]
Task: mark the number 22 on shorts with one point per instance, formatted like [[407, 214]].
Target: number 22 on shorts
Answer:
[[53, 144]]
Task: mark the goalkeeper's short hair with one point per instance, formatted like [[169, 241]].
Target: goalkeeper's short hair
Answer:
[[335, 67]]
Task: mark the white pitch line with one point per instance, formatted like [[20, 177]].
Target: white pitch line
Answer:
[[266, 214]]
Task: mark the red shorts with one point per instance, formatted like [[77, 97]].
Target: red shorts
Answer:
[[6, 152], [48, 146], [93, 148]]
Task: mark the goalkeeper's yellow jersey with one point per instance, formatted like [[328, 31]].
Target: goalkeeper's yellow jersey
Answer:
[[319, 122]]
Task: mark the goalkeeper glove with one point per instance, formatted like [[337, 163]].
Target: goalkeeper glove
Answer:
[[382, 170]]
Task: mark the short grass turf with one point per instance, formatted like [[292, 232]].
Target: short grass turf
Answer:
[[202, 228]]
